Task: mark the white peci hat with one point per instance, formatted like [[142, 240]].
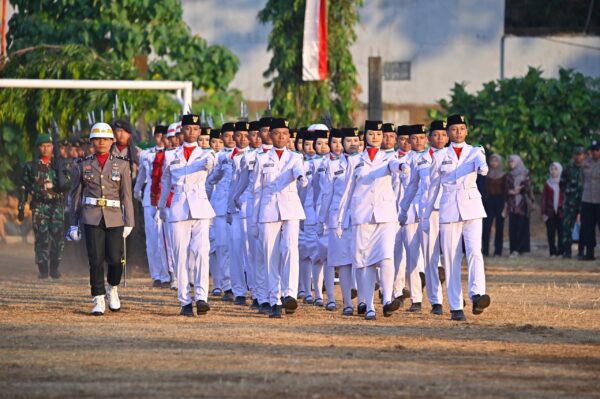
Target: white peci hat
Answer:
[[172, 130]]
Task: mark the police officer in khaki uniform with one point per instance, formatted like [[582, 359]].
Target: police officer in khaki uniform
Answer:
[[101, 200]]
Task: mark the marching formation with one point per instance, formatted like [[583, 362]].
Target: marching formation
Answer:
[[274, 215]]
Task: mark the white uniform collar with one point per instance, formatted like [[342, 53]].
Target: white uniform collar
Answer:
[[186, 144], [458, 145]]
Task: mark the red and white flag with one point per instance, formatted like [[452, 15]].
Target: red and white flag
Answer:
[[314, 46]]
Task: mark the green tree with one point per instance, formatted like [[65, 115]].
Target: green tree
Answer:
[[539, 119], [126, 30], [306, 102]]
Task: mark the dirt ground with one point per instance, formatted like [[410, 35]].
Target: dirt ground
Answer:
[[539, 339]]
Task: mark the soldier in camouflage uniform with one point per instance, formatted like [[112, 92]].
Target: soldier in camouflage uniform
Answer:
[[40, 180], [571, 184]]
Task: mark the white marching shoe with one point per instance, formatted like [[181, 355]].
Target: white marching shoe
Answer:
[[112, 295], [173, 281], [98, 309]]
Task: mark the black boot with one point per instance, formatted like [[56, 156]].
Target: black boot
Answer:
[[54, 273], [43, 270]]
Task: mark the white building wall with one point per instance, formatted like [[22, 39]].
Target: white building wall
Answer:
[[581, 53]]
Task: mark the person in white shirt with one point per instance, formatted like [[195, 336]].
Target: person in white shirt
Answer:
[[218, 184], [190, 214], [238, 227], [344, 147], [369, 199], [159, 270], [454, 172], [276, 215]]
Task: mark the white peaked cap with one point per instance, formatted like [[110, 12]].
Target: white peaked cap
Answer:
[[101, 130]]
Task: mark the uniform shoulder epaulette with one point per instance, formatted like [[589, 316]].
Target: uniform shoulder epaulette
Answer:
[[262, 153], [480, 147], [91, 156], [170, 149]]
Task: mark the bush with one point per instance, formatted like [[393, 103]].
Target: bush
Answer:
[[539, 119]]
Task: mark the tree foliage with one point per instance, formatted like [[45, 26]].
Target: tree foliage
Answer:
[[539, 119], [100, 40], [123, 30], [306, 102]]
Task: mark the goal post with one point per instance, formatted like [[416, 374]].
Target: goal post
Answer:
[[75, 84]]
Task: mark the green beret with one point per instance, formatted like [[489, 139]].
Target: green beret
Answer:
[[43, 138]]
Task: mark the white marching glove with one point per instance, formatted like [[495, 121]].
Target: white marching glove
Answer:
[[73, 234], [127, 231], [157, 215], [163, 214], [137, 195], [403, 218], [425, 225], [339, 232]]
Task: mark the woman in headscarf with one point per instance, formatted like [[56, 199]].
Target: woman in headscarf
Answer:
[[518, 205], [552, 209], [494, 200]]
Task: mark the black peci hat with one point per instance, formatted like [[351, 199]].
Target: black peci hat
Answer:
[[417, 129], [190, 119], [228, 127], [254, 125], [437, 125], [456, 119], [241, 126], [160, 129], [279, 123], [373, 125], [389, 128], [403, 130]]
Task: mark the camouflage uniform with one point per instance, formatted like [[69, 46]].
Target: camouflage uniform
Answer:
[[47, 207], [572, 185]]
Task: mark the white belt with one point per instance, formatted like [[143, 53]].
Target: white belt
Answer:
[[101, 202]]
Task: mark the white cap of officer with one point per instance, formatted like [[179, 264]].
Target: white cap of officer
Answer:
[[318, 126], [101, 130], [172, 130]]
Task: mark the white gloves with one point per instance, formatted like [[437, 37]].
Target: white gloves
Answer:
[[339, 231], [127, 231], [156, 215], [425, 225], [163, 214], [73, 234], [138, 195], [403, 218]]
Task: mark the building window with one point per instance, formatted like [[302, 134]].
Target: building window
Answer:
[[396, 70]]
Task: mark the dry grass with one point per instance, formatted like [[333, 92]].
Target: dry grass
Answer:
[[540, 338]]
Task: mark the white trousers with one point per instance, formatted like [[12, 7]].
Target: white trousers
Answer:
[[414, 260], [430, 243], [238, 256], [158, 269], [399, 262], [280, 243], [164, 245], [452, 236], [367, 277], [191, 250], [222, 235]]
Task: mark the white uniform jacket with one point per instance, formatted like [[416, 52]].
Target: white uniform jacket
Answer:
[[369, 196], [456, 179], [187, 180], [275, 192]]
